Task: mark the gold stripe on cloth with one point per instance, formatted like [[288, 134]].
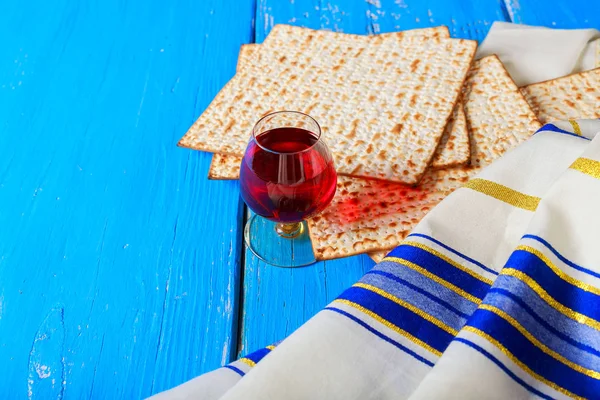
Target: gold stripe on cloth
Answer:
[[504, 194], [561, 274], [558, 357], [434, 278], [587, 166], [409, 306], [574, 315], [522, 365], [448, 260], [576, 128], [387, 323], [247, 361]]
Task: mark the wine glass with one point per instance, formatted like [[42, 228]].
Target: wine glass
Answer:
[[286, 176]]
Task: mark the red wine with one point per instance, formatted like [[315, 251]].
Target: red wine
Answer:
[[287, 175]]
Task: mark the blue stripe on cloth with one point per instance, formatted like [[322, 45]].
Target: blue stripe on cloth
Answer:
[[538, 361], [414, 298], [442, 269], [550, 327], [381, 335], [239, 371], [450, 249], [581, 333], [417, 289], [542, 330], [258, 355], [427, 285], [561, 257], [562, 291], [556, 129], [402, 317], [503, 368]]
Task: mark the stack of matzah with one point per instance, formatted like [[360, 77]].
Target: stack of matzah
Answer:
[[409, 117], [383, 102]]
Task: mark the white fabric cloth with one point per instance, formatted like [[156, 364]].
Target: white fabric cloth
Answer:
[[534, 54], [493, 295]]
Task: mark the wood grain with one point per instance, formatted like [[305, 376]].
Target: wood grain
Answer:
[[119, 261], [465, 19], [575, 14]]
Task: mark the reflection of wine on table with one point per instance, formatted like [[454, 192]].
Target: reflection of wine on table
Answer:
[[287, 175]]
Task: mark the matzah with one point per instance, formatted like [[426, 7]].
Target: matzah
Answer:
[[498, 116], [369, 216], [574, 96], [383, 101], [245, 55], [378, 256], [224, 167], [453, 149]]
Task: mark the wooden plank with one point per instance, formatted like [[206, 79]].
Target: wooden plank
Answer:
[[465, 19], [277, 301], [556, 13], [119, 261]]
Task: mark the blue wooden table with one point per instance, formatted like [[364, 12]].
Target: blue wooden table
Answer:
[[122, 269]]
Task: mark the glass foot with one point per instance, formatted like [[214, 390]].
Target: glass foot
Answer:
[[278, 244]]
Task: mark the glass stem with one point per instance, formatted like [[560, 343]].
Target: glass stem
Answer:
[[289, 231]]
